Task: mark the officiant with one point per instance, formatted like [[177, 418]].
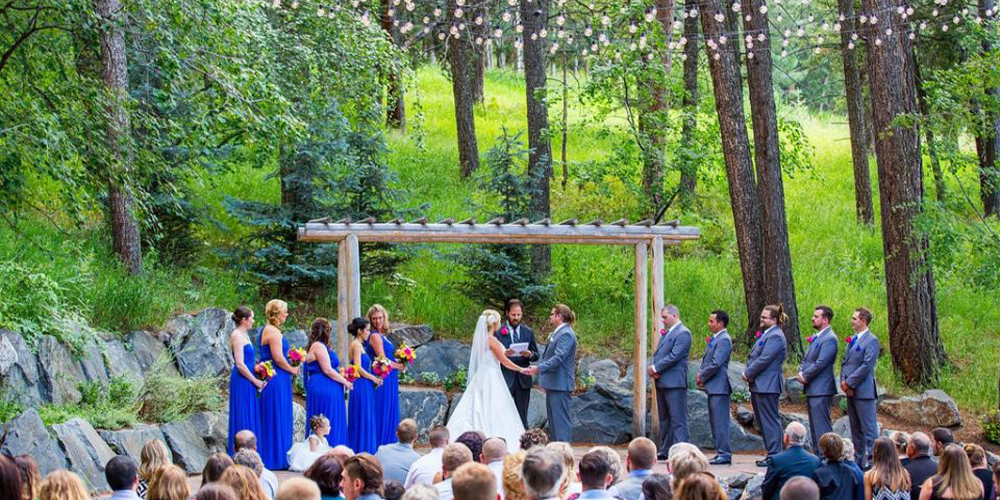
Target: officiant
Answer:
[[519, 340]]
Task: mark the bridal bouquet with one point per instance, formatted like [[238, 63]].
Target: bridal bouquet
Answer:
[[381, 367], [296, 356], [351, 372], [405, 355], [264, 371]]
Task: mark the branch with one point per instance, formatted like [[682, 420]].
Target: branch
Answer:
[[22, 38]]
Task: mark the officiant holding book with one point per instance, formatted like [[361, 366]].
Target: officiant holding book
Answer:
[[519, 341]]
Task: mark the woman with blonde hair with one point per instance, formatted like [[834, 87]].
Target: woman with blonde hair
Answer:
[[980, 468], [513, 483], [378, 345], [154, 455], [954, 479], [570, 488], [684, 463], [169, 483], [62, 485], [244, 483], [275, 437], [700, 486], [887, 479]]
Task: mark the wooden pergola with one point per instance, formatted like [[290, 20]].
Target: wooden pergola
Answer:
[[643, 236]]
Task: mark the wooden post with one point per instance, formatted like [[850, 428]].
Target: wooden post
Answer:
[[641, 339], [343, 310], [354, 270], [657, 285]]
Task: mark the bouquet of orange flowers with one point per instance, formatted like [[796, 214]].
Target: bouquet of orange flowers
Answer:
[[405, 354], [351, 372], [381, 367], [264, 371], [296, 356]]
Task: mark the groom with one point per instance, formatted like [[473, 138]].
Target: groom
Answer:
[[557, 372]]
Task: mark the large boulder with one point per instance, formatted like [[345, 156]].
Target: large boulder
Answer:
[[92, 362], [427, 407], [700, 428], [842, 426], [22, 379], [25, 434], [537, 414], [754, 489], [453, 403], [603, 370], [8, 356], [441, 357], [744, 415], [130, 441], [60, 373], [147, 348], [794, 390], [787, 418], [298, 422], [413, 335], [933, 408], [213, 427], [601, 415], [86, 452], [300, 339], [734, 372], [202, 350], [187, 446], [122, 362]]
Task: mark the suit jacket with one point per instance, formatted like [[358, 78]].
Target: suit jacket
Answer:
[[858, 366], [765, 360], [715, 365], [396, 459], [670, 359], [525, 334], [557, 369], [837, 481], [795, 461], [920, 468], [817, 366], [630, 488]]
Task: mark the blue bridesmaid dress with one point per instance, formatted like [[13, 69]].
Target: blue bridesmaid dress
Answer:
[[361, 413], [386, 397], [326, 396], [244, 408], [275, 438]]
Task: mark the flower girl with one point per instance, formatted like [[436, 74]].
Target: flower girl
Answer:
[[303, 454]]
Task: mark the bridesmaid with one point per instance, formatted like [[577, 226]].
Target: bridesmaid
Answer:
[[276, 399], [387, 396], [361, 405], [325, 389], [244, 411]]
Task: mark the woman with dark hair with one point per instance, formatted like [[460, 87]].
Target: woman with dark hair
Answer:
[[657, 487], [836, 479], [887, 479], [30, 477], [325, 386], [275, 438], [10, 479], [954, 479], [215, 491], [326, 472], [214, 467], [386, 396], [244, 410], [361, 406]]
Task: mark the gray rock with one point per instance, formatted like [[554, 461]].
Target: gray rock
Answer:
[[8, 356], [92, 363], [735, 374], [298, 422], [787, 418], [147, 348], [213, 427], [601, 416], [441, 357], [176, 330], [991, 459], [203, 350], [25, 434], [793, 390], [121, 362], [86, 452], [700, 428], [413, 335], [603, 370], [60, 374], [130, 441], [426, 406], [842, 426], [186, 445], [452, 404], [753, 490], [739, 480], [299, 338], [744, 415], [537, 416], [933, 408], [22, 382]]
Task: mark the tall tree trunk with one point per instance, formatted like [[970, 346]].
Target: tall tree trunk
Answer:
[[534, 17], [856, 117], [988, 144], [689, 166], [727, 84], [779, 285], [914, 338], [395, 107], [463, 59], [114, 76], [652, 127], [928, 133]]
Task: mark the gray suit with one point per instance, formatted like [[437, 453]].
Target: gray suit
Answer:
[[396, 459], [766, 381], [557, 375], [714, 377], [670, 360], [858, 370], [821, 385]]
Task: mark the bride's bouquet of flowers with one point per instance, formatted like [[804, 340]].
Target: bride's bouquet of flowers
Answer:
[[405, 354], [351, 372], [296, 356], [264, 371], [381, 367]]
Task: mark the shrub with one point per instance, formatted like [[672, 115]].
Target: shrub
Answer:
[[456, 381], [33, 304], [991, 427], [167, 398], [9, 409], [110, 406]]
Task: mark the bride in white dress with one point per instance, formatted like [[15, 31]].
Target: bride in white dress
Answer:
[[487, 405]]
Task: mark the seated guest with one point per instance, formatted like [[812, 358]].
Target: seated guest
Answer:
[[920, 466], [617, 471], [10, 479], [887, 479], [28, 469], [297, 488], [657, 487], [513, 484], [169, 483], [848, 459], [996, 479], [420, 492], [61, 485], [954, 479], [542, 473], [473, 440], [396, 458], [362, 478], [835, 479], [215, 491], [454, 455], [977, 459], [702, 486], [534, 437], [251, 460], [326, 472], [639, 461], [494, 451], [570, 488], [122, 476], [940, 438], [393, 490], [214, 466], [474, 481], [800, 488], [901, 440], [154, 455], [423, 470], [683, 461], [244, 482], [246, 440], [595, 475], [342, 452], [794, 461]]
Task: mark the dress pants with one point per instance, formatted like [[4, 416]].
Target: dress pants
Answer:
[[819, 418], [765, 414], [718, 415], [672, 405], [864, 428], [557, 407]]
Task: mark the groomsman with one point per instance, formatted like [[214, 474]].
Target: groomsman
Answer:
[[857, 379], [714, 380], [816, 374], [669, 371], [513, 332], [765, 377]]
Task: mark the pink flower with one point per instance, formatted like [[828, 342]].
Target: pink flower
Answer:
[[503, 331], [810, 338], [849, 339], [663, 331], [758, 334], [708, 339]]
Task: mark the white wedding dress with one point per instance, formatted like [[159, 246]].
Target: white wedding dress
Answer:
[[486, 405]]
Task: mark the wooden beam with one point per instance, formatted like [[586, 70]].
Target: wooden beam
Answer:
[[657, 286], [343, 297], [641, 339], [354, 275]]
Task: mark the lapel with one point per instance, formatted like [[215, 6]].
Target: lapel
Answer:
[[553, 338], [663, 338], [820, 337]]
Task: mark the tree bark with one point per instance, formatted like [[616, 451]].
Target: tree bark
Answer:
[[689, 167], [651, 117], [463, 59], [988, 144], [534, 17], [114, 76], [932, 152], [395, 106], [914, 338], [727, 84], [856, 118]]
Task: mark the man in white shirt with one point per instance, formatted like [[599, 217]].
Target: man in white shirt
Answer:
[[454, 456], [494, 451], [426, 467], [247, 440]]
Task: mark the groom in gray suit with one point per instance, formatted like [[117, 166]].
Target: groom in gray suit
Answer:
[[669, 371], [816, 374], [557, 372], [857, 379]]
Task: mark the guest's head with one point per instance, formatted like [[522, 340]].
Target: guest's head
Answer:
[[320, 425], [595, 471], [918, 444], [685, 463], [406, 431], [641, 454], [569, 463], [773, 315], [543, 472], [121, 473], [63, 485], [955, 474], [976, 454], [244, 482], [379, 318], [701, 486], [420, 491], [10, 479], [941, 438], [359, 327], [473, 440], [800, 488], [848, 455], [169, 483], [455, 454], [243, 317], [30, 477], [297, 488], [513, 482], [560, 314], [514, 311], [494, 449], [616, 468], [860, 319], [717, 321], [215, 491], [657, 487], [474, 481], [831, 446], [393, 490], [249, 459], [276, 311], [244, 439], [795, 434], [821, 318], [341, 452], [438, 436], [900, 439], [326, 472], [154, 455], [887, 471], [534, 437], [670, 315], [362, 476], [214, 467], [320, 331]]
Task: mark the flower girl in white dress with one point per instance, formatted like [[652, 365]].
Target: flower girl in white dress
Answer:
[[303, 454]]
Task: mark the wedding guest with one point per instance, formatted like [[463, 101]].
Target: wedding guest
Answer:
[[362, 478], [215, 491], [30, 477], [61, 485], [169, 483], [570, 487], [396, 458], [473, 440], [121, 473], [800, 488], [244, 482], [704, 486], [214, 467], [248, 441], [920, 466], [657, 487], [900, 439], [474, 481], [10, 479], [377, 346], [342, 452], [513, 484], [542, 473], [848, 458], [669, 373], [794, 461], [954, 479], [857, 379], [816, 373], [996, 479], [713, 378], [516, 332], [887, 479], [154, 455], [244, 409], [251, 460], [303, 454], [494, 452], [276, 398], [325, 386], [420, 492], [361, 431], [683, 462], [393, 490], [534, 437], [595, 475], [941, 438], [617, 469], [980, 469], [835, 479], [765, 377], [298, 488], [454, 455], [639, 461], [327, 472], [426, 467]]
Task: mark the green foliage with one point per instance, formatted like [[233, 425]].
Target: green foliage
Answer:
[[9, 409], [34, 304], [585, 382], [430, 378], [110, 406], [456, 381], [167, 398], [741, 396], [991, 427]]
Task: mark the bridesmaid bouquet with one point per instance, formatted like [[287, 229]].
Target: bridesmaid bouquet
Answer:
[[381, 367], [351, 372], [296, 356], [264, 371], [405, 355]]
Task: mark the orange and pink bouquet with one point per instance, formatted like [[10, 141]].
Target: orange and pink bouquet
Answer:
[[264, 371], [405, 354], [381, 367], [296, 356], [351, 372]]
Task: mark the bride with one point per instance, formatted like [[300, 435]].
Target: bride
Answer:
[[487, 405]]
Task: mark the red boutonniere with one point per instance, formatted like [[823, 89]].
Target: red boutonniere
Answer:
[[503, 331], [663, 331], [849, 339], [810, 338], [758, 334]]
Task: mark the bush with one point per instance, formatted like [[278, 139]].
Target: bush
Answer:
[[991, 427], [9, 409], [456, 381], [167, 398], [110, 406]]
